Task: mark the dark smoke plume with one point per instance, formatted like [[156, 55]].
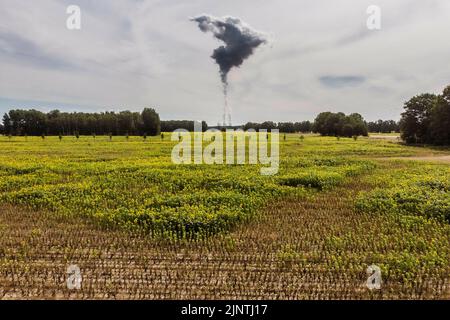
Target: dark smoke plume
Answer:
[[240, 42]]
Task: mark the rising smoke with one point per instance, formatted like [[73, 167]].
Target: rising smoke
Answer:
[[240, 42]]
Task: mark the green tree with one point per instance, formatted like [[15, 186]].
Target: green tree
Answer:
[[338, 124], [151, 122], [7, 127], [415, 121], [439, 131]]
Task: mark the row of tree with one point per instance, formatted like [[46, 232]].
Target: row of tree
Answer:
[[383, 126], [340, 125], [172, 125], [426, 119], [285, 127], [33, 123]]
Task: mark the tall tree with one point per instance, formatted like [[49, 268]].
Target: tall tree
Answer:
[[7, 125], [415, 120], [151, 122], [439, 131]]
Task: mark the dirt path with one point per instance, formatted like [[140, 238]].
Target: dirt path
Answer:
[[432, 158], [384, 137]]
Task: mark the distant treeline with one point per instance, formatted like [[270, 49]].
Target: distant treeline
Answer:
[[37, 123], [33, 123], [285, 127], [383, 126], [327, 123], [427, 119], [340, 125], [147, 122], [172, 125]]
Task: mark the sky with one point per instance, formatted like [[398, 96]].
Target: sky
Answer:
[[132, 54]]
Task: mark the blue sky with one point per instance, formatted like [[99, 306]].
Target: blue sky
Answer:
[[131, 54]]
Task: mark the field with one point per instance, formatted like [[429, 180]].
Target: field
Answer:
[[141, 227]]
